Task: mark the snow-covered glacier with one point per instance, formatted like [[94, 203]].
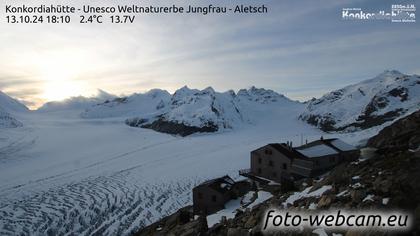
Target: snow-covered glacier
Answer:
[[63, 173]]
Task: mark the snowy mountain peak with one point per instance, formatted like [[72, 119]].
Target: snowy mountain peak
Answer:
[[261, 95], [193, 110], [101, 94], [9, 104], [184, 91], [369, 103], [9, 107], [157, 92], [390, 73], [209, 89]]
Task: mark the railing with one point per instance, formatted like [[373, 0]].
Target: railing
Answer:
[[248, 173]]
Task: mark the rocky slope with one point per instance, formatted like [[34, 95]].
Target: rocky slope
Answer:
[[9, 109], [404, 134], [386, 180], [388, 96]]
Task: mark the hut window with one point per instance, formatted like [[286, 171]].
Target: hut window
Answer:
[[200, 195], [259, 160], [270, 163], [284, 166], [268, 152], [214, 198]]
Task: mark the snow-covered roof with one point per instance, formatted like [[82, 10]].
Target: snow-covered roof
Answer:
[[342, 145], [317, 151], [221, 184]]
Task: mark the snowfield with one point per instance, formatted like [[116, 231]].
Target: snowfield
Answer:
[[61, 173]]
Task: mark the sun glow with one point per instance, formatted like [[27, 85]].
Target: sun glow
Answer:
[[59, 90], [60, 75]]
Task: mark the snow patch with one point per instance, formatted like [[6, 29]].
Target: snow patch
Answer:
[[306, 194], [233, 206], [320, 232]]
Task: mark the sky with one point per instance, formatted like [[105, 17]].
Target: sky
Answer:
[[301, 49]]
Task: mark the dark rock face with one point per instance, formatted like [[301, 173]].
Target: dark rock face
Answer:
[[170, 127], [400, 92], [135, 122], [324, 123], [120, 100], [367, 121], [375, 104], [402, 135], [161, 105]]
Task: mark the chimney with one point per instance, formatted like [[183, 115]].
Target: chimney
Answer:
[[291, 144], [322, 137], [306, 141]]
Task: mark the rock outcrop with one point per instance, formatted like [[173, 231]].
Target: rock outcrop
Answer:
[[404, 134]]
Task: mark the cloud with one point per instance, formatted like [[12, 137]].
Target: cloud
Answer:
[[301, 48]]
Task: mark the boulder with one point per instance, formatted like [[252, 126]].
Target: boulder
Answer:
[[237, 232], [357, 195], [325, 201], [251, 222], [382, 185]]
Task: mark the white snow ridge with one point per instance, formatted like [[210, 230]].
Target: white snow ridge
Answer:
[[9, 109], [145, 104], [373, 102], [76, 103]]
